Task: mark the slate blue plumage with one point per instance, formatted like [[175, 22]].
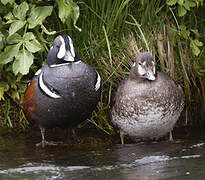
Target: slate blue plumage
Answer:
[[64, 92]]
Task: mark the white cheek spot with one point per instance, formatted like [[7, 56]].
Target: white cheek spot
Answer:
[[97, 85], [45, 89], [134, 64], [62, 50], [141, 70], [72, 51]]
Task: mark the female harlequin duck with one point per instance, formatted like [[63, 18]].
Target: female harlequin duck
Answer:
[[147, 104], [64, 92]]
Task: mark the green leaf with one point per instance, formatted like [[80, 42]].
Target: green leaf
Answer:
[[181, 11], [1, 41], [197, 42], [3, 88], [64, 10], [33, 46], [46, 31], [38, 15], [180, 2], [15, 95], [15, 38], [9, 17], [23, 62], [4, 85], [9, 53], [28, 36], [196, 32], [68, 10], [15, 26], [31, 43], [171, 2], [75, 14], [187, 7], [194, 47], [20, 11], [4, 2], [190, 3], [184, 32]]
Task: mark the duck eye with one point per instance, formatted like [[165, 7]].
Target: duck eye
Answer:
[[140, 63]]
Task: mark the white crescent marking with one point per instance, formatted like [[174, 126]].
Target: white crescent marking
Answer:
[[38, 72], [71, 47], [97, 85], [46, 89]]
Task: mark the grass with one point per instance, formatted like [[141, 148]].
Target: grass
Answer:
[[115, 31], [113, 39]]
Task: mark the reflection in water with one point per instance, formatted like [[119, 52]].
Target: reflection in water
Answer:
[[19, 159]]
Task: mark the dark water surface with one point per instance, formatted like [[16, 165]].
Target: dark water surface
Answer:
[[181, 159]]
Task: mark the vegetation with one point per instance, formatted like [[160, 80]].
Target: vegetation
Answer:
[[108, 35]]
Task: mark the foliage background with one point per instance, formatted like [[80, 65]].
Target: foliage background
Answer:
[[107, 35]]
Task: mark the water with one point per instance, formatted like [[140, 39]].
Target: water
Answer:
[[20, 159]]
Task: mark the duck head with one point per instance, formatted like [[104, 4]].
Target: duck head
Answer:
[[144, 67], [62, 51]]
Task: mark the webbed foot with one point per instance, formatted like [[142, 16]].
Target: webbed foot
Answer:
[[45, 143]]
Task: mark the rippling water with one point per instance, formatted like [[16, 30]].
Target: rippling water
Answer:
[[181, 159]]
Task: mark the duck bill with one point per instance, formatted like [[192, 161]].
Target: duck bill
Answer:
[[150, 76]]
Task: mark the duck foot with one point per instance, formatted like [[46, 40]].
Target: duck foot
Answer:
[[122, 136], [74, 136], [71, 135], [45, 143], [170, 136]]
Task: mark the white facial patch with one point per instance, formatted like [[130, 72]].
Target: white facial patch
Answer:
[[141, 70], [72, 51], [97, 85], [62, 50], [45, 89], [134, 64]]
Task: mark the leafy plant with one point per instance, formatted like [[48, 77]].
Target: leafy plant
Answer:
[[108, 34], [24, 37]]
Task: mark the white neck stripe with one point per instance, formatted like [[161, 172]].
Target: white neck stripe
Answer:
[[64, 64], [57, 65], [45, 89], [97, 85]]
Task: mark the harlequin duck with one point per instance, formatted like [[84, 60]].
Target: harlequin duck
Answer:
[[147, 104], [64, 92]]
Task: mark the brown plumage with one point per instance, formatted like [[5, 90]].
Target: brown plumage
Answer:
[[29, 105]]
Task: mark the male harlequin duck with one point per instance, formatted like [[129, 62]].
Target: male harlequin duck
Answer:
[[64, 92], [148, 103]]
